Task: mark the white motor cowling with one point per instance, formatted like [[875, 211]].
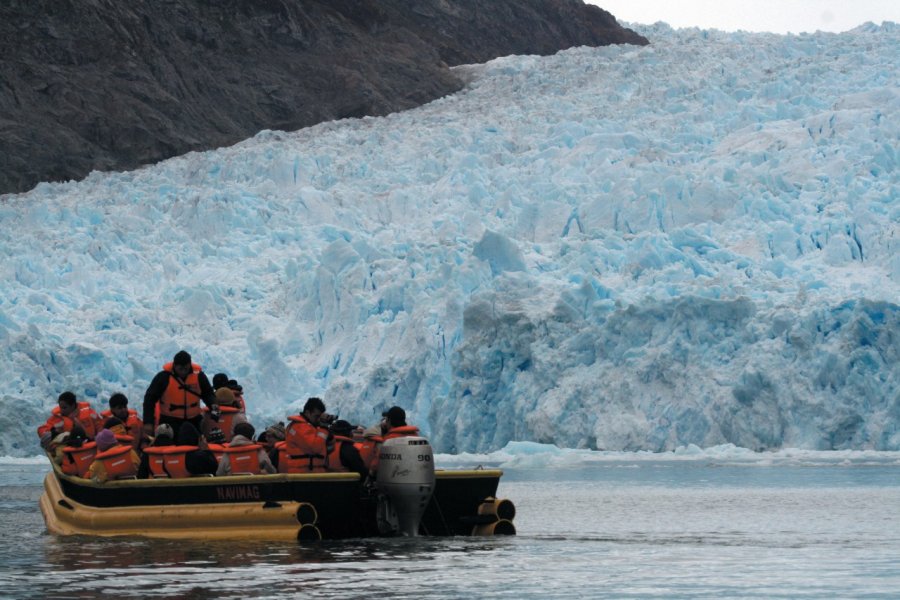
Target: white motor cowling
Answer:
[[405, 483]]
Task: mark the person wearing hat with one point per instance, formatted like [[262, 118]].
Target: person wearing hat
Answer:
[[344, 456], [165, 435], [112, 461], [230, 414], [271, 439], [177, 392], [219, 380], [238, 391], [393, 424]]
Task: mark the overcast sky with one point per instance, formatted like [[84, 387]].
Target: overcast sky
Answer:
[[779, 16]]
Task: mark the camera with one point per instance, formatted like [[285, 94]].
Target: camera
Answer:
[[327, 419]]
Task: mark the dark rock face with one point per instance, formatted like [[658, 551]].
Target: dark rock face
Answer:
[[473, 31], [100, 84]]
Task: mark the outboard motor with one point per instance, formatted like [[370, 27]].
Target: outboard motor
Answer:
[[405, 484]]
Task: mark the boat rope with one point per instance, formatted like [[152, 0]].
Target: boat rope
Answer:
[[441, 513]]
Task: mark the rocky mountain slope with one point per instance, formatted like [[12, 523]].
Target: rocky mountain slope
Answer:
[[98, 84]]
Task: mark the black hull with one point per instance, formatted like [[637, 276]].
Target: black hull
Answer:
[[343, 508]]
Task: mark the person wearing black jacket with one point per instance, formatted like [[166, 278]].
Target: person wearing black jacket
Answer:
[[178, 391], [201, 461], [165, 436], [341, 447]]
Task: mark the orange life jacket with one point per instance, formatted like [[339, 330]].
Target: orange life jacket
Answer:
[[181, 399], [84, 415], [77, 461], [217, 449], [306, 446], [133, 424], [117, 462], [156, 460], [368, 451], [244, 459], [239, 396], [132, 420], [226, 420], [334, 457], [402, 431], [281, 447], [168, 461]]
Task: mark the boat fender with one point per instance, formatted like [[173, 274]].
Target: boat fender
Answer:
[[503, 508], [500, 527], [309, 533]]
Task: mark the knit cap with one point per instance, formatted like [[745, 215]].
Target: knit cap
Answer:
[[225, 396], [106, 439]]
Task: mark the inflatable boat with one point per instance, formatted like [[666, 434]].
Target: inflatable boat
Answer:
[[410, 498]]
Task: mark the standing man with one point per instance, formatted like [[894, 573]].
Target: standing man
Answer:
[[175, 395]]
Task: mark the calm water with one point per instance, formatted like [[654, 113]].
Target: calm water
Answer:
[[622, 529]]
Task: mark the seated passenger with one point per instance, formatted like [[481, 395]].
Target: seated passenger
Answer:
[[115, 425], [368, 448], [242, 456], [393, 424], [69, 412], [200, 460], [215, 436], [164, 437], [227, 416], [306, 439], [274, 434], [76, 454], [113, 460], [343, 455], [219, 380], [189, 457], [216, 442], [118, 407], [60, 439], [238, 391]]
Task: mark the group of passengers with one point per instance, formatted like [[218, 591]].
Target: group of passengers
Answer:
[[192, 427]]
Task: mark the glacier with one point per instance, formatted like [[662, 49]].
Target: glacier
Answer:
[[692, 244]]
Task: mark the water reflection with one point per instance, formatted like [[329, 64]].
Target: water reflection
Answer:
[[613, 533], [194, 569], [81, 552]]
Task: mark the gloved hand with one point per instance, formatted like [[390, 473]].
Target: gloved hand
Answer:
[[215, 413]]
